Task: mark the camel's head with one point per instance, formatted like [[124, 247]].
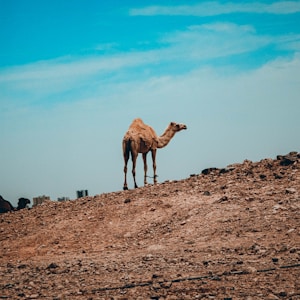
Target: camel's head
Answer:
[[177, 126]]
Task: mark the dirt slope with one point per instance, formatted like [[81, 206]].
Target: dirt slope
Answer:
[[228, 233]]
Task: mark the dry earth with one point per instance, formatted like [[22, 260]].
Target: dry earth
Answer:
[[229, 233]]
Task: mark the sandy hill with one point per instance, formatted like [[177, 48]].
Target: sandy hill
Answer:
[[229, 233]]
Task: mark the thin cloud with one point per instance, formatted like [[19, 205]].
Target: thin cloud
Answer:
[[216, 8], [74, 67], [185, 50], [211, 41]]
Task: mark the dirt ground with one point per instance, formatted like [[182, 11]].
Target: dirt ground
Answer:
[[230, 233]]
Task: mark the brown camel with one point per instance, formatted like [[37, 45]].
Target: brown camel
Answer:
[[141, 138]]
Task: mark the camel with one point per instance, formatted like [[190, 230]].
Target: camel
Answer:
[[141, 138]]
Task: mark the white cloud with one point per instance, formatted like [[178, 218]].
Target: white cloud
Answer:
[[215, 8], [196, 43], [214, 40], [73, 79]]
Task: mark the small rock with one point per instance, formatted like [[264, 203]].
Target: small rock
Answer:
[[272, 297], [290, 191], [223, 199], [127, 200], [282, 294], [166, 284], [148, 257], [289, 159], [52, 266], [208, 171], [277, 176], [251, 270], [22, 266], [205, 263], [206, 193]]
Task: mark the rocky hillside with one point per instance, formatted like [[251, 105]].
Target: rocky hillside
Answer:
[[231, 233]]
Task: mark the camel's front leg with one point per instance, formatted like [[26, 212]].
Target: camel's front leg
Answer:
[[154, 165], [134, 157], [125, 187], [145, 167], [126, 158]]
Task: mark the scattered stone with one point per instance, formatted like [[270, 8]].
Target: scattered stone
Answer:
[[223, 199], [205, 263], [208, 171], [22, 266], [166, 284], [277, 176], [224, 170], [52, 266], [33, 296], [283, 294], [170, 230], [251, 270], [289, 159], [290, 191]]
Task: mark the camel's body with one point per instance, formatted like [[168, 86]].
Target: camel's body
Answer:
[[141, 138]]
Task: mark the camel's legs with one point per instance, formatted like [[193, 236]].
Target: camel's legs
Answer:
[[145, 167], [126, 158], [134, 157], [153, 152]]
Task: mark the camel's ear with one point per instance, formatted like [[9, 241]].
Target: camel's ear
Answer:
[[172, 123]]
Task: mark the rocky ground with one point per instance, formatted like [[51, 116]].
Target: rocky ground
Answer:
[[229, 233]]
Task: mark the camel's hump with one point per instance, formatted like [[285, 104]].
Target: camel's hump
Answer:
[[138, 125], [138, 129]]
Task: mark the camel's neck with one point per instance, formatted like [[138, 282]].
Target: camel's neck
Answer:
[[165, 138]]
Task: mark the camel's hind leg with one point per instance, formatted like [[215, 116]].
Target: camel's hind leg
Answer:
[[145, 167]]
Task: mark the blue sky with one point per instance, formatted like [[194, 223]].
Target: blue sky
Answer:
[[73, 75]]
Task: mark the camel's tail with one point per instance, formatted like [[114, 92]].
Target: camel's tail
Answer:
[[126, 148]]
